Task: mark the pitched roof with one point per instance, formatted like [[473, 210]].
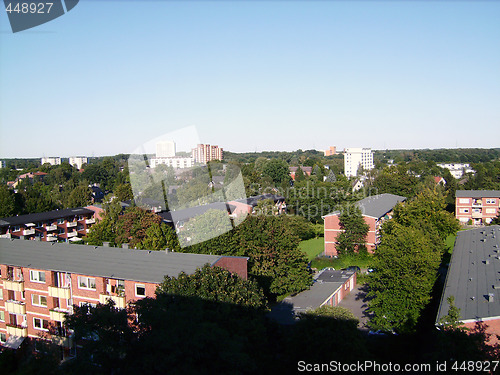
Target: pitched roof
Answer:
[[252, 201], [477, 194], [43, 216], [127, 264], [473, 275], [377, 205], [191, 212]]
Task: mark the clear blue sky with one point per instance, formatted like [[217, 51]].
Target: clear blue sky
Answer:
[[266, 75]]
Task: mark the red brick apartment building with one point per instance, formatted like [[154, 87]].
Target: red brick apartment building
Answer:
[[205, 153], [473, 279], [477, 206], [67, 225], [41, 281], [375, 209]]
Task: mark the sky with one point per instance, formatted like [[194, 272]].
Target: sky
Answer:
[[109, 76]]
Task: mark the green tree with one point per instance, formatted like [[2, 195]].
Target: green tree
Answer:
[[406, 264], [124, 192], [334, 312], [80, 196], [352, 239], [7, 202], [277, 170], [299, 175], [211, 223]]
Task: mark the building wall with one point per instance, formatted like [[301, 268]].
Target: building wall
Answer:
[[479, 210], [492, 328], [331, 151], [342, 292], [354, 157], [204, 153], [332, 229]]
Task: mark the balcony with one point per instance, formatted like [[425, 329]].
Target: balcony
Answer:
[[28, 232], [58, 315], [6, 235], [119, 301], [15, 307], [477, 215], [90, 221], [59, 292], [62, 341], [72, 234], [17, 330], [71, 224], [16, 286], [49, 228], [477, 203], [51, 238]]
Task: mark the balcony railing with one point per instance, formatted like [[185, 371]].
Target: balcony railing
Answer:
[[6, 235], [51, 238], [90, 221], [28, 232], [15, 307], [17, 330], [119, 301], [72, 234], [16, 286], [71, 224], [48, 228], [59, 292], [62, 341], [58, 314], [477, 215]]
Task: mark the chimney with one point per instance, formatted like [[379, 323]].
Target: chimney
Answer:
[[125, 245], [491, 297], [105, 244]]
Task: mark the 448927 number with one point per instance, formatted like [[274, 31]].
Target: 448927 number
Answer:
[[29, 8]]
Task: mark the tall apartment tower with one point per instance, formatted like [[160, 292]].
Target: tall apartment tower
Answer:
[[205, 153], [331, 151], [165, 149], [51, 160], [78, 161], [354, 157]]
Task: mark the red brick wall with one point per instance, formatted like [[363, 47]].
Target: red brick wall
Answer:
[[332, 229], [234, 265], [493, 328]]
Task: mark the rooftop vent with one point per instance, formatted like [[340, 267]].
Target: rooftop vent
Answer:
[[167, 250], [486, 261], [125, 245], [105, 244], [497, 286], [491, 297]]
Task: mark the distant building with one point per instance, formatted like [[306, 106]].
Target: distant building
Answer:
[[2, 164], [473, 281], [375, 209], [247, 205], [51, 160], [32, 176], [306, 170], [175, 162], [331, 151], [78, 161], [205, 153], [356, 157], [165, 149], [457, 170], [478, 206], [42, 282]]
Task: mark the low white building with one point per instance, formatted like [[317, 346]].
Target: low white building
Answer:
[[457, 170], [51, 160], [175, 162]]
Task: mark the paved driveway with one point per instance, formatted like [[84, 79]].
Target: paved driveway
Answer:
[[355, 301]]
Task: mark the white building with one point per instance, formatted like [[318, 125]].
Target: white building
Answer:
[[457, 170], [354, 157], [175, 162], [78, 161], [2, 164], [51, 160], [165, 149]]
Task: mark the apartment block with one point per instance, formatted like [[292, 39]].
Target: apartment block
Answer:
[[205, 153], [375, 210], [41, 282], [174, 162], [78, 161], [331, 151], [59, 225], [478, 207], [51, 160], [356, 157], [165, 149], [457, 170]]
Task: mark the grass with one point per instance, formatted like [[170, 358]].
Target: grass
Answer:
[[312, 247], [450, 242], [342, 262]]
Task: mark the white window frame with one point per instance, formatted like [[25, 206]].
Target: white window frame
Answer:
[[38, 297], [41, 324], [2, 316], [3, 337], [140, 286], [491, 211], [464, 210], [37, 279], [463, 200], [491, 201], [86, 280], [91, 305]]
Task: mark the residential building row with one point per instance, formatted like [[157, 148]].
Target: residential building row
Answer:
[[75, 161], [457, 170], [477, 207], [375, 210], [40, 282], [70, 224]]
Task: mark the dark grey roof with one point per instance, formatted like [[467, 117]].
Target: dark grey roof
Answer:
[[334, 276], [473, 274], [128, 264], [252, 201], [477, 193], [44, 216], [191, 212], [377, 205]]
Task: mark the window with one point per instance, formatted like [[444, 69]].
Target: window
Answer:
[[3, 337], [2, 316], [490, 201], [16, 228], [86, 282], [1, 293], [463, 200], [464, 210], [491, 211], [41, 324], [140, 290], [60, 221], [37, 276], [38, 300]]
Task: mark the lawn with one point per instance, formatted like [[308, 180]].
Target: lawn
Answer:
[[312, 247], [342, 262]]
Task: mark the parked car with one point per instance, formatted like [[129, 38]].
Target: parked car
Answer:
[[352, 268]]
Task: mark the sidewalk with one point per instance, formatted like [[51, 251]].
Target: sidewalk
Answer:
[[355, 301]]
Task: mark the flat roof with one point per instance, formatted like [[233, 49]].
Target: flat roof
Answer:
[[191, 212], [377, 205], [474, 274], [477, 194], [128, 264], [252, 201], [43, 216]]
